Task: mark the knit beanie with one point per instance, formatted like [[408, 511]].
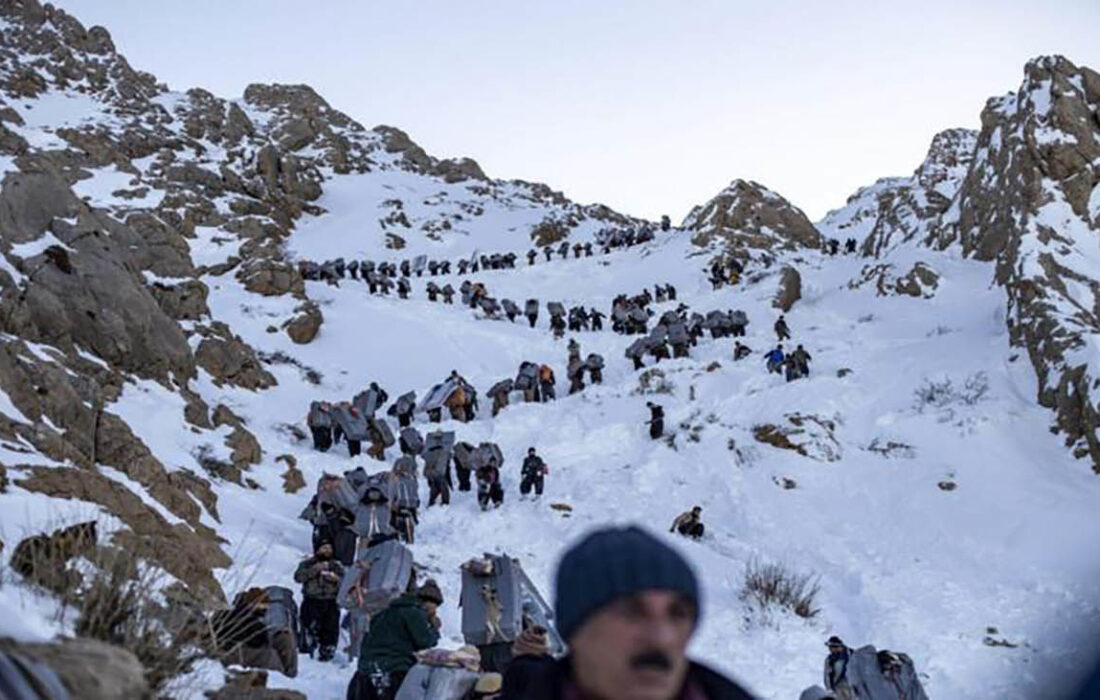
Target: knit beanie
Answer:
[[430, 592], [615, 563]]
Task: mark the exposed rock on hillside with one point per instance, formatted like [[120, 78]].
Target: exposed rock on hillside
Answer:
[[1031, 203], [896, 210], [748, 215]]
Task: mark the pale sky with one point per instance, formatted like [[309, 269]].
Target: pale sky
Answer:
[[649, 106]]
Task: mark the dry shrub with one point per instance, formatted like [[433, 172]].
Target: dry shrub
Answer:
[[771, 587]]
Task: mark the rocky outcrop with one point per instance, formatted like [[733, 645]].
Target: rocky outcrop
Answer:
[[898, 210], [790, 289], [43, 559], [89, 669], [810, 436], [306, 324], [77, 284], [748, 215], [229, 360], [921, 281], [189, 554], [1031, 204]]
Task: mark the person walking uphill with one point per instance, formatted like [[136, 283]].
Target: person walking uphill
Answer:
[[410, 624], [656, 420], [533, 474], [782, 330], [628, 604], [836, 669], [320, 577]]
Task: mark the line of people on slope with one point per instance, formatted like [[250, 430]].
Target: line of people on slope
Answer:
[[336, 269]]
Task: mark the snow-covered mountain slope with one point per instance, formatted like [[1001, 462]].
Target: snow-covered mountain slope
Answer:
[[146, 277], [903, 563], [896, 210], [1025, 194]]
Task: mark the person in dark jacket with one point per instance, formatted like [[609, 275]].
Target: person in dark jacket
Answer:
[[782, 330], [801, 360], [410, 624], [320, 577], [336, 529], [689, 523], [597, 319], [489, 490], [628, 605], [530, 658], [533, 474], [656, 420], [836, 668]]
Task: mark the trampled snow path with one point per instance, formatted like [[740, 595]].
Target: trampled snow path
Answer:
[[903, 564]]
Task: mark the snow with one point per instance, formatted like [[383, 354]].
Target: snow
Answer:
[[101, 189], [902, 563], [10, 410], [1094, 205], [211, 246], [5, 266], [53, 110], [357, 203], [38, 246]]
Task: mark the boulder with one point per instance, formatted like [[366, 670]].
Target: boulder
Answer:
[[305, 325], [229, 360], [811, 436], [270, 277], [790, 289], [89, 669], [245, 448]]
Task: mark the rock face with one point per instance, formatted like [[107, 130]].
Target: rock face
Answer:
[[90, 670], [920, 281], [896, 210], [790, 289], [1023, 194], [748, 215], [306, 324], [1030, 203], [86, 294]]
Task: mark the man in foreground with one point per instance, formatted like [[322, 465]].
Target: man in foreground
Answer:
[[628, 605]]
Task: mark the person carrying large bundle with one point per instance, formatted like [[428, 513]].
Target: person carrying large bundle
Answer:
[[546, 383], [320, 425], [499, 393], [333, 524], [498, 602], [259, 631], [408, 625], [594, 363]]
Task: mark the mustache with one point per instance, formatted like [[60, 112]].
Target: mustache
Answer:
[[651, 660]]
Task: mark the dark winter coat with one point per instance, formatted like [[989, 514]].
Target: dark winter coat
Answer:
[[396, 634], [314, 585], [533, 467], [522, 673], [552, 682]]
